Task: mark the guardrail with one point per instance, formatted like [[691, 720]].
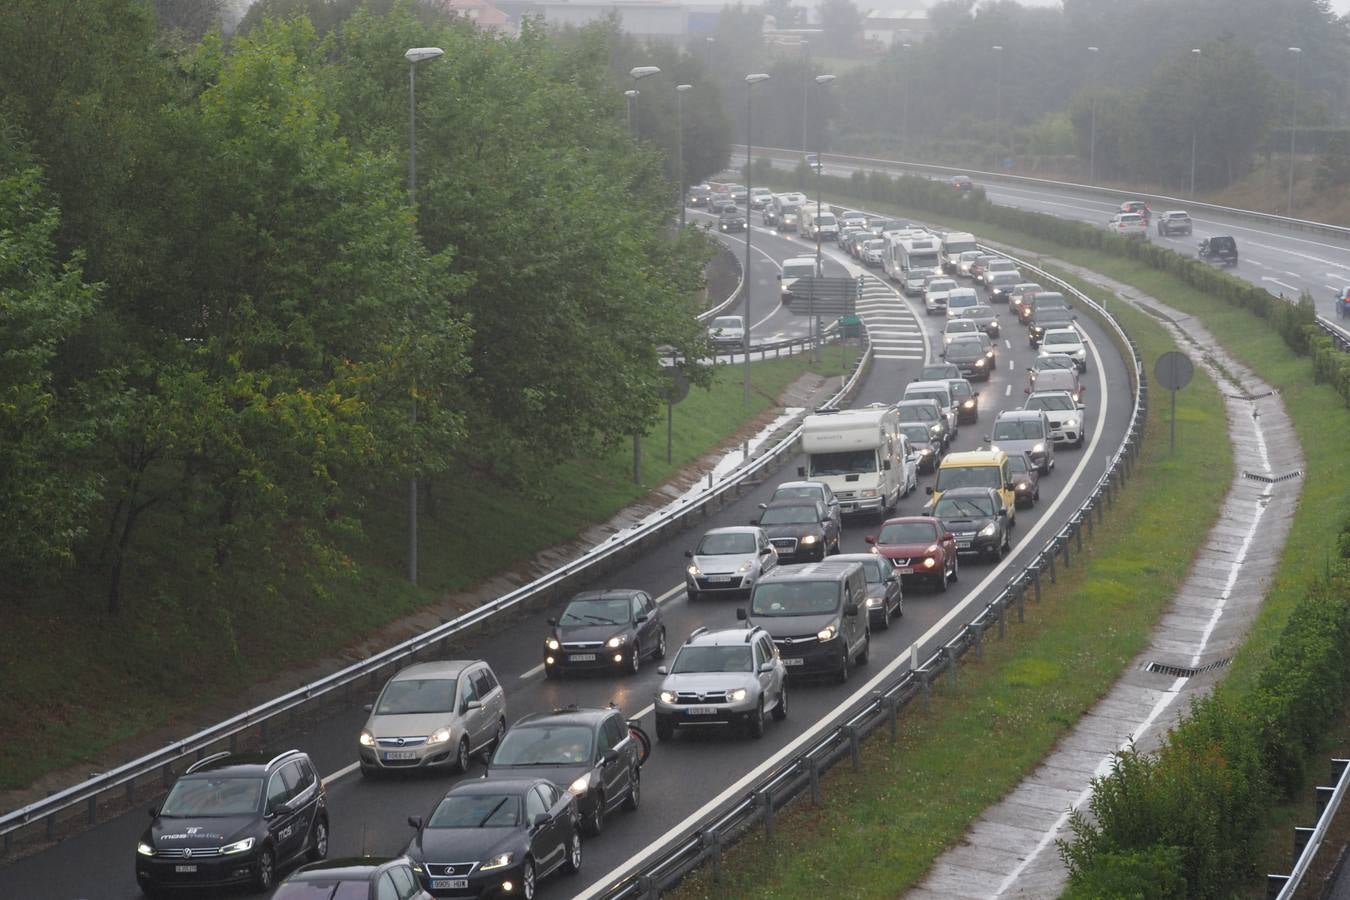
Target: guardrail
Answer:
[[1339, 231], [1338, 335], [717, 310], [1307, 841], [80, 805], [703, 842]]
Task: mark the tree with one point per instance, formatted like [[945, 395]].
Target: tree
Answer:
[[842, 24]]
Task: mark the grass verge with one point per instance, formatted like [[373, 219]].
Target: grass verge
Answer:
[[880, 828], [171, 666]]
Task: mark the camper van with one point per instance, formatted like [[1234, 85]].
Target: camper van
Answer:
[[954, 243], [863, 457], [818, 223]]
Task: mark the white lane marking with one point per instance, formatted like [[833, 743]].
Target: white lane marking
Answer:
[[533, 672], [1330, 286], [1341, 275], [341, 773], [598, 886], [889, 356], [1007, 343], [1012, 364], [1308, 256], [1008, 391], [1293, 275], [1288, 287]]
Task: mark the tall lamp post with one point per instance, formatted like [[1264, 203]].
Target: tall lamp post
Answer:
[[998, 99], [750, 82], [414, 56], [806, 85], [1092, 131], [680, 90], [708, 43], [632, 95], [1293, 125], [821, 81], [904, 113], [1195, 120], [638, 73]]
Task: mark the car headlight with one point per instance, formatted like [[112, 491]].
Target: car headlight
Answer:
[[1072, 423], [809, 539], [969, 404], [1023, 485], [667, 696], [827, 633], [552, 643], [617, 641], [871, 492], [439, 736], [926, 451], [980, 363], [1039, 448], [935, 428], [988, 530], [367, 739], [500, 861], [579, 787], [745, 567], [873, 601], [237, 847], [693, 570], [737, 695], [145, 849]]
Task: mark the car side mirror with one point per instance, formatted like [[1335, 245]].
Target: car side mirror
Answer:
[[985, 437], [541, 820], [1026, 390], [1080, 405], [1003, 514], [662, 670], [763, 506], [611, 757], [1008, 486], [641, 617], [928, 490], [948, 536], [754, 521], [886, 465], [415, 822], [851, 609], [766, 667], [554, 622], [472, 705], [871, 539], [975, 394], [801, 471], [689, 554], [741, 615], [369, 707], [779, 277], [154, 812]]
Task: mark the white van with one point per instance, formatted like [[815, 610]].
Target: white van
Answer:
[[863, 457], [798, 267], [818, 223]]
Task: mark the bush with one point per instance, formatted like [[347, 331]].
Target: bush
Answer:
[[1154, 873]]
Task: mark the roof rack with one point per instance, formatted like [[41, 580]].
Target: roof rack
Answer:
[[571, 707], [702, 629], [280, 756], [204, 760]]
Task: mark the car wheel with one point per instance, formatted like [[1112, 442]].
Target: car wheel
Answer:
[[885, 623], [665, 728], [496, 740], [462, 759], [1045, 467], [660, 644], [755, 726], [634, 798], [1007, 543], [943, 577], [267, 870], [635, 659], [319, 847], [845, 662], [956, 567], [866, 653], [693, 595], [550, 671], [596, 823], [527, 882], [573, 864], [780, 709]]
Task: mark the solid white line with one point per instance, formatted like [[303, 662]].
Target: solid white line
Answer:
[[341, 773], [887, 356], [533, 672], [1007, 343], [599, 885], [1008, 391]]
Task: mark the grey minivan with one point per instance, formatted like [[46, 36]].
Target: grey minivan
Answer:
[[1025, 431], [816, 614]]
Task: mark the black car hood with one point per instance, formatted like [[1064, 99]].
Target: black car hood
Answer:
[[966, 523], [797, 531], [794, 626], [560, 776], [173, 833], [590, 632], [454, 845]]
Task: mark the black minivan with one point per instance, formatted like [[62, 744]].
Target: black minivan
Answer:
[[816, 614]]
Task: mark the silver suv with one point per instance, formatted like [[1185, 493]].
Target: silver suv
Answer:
[[722, 678]]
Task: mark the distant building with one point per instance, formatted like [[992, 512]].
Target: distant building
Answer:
[[898, 23], [482, 14], [643, 18]]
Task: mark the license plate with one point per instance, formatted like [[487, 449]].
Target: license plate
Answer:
[[907, 570], [449, 884], [962, 545], [187, 870], [719, 579], [847, 507], [581, 657], [793, 661], [702, 710], [393, 755]]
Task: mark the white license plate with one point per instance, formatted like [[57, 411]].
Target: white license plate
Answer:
[[581, 657], [188, 870], [449, 884], [793, 661], [847, 507], [719, 579], [963, 545], [702, 710], [400, 754], [907, 570]]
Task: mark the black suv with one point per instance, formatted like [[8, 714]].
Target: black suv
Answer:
[[733, 219], [799, 529], [234, 819], [1220, 249], [605, 630], [978, 518], [588, 752]]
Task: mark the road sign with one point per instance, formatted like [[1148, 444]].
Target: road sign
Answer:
[[1173, 371], [678, 388]]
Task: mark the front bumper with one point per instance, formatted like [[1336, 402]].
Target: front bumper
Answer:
[[1065, 434], [719, 584], [974, 543], [154, 872], [421, 756], [588, 659], [681, 715], [855, 505], [809, 656], [476, 884], [967, 414]]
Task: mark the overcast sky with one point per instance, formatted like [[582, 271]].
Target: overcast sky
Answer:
[[1341, 7]]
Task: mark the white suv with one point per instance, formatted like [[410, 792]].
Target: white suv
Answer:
[[1065, 342], [1129, 225]]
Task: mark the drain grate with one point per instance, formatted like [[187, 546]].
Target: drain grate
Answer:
[[1185, 671], [1273, 479]]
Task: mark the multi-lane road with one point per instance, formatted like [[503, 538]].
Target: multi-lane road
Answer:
[[687, 776]]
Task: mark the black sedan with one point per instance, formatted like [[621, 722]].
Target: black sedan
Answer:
[[496, 838], [978, 519], [969, 357], [355, 878], [1026, 480], [967, 401], [922, 442], [800, 530], [606, 630], [885, 598]]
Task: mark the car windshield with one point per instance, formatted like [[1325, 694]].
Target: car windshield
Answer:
[[958, 326], [213, 797], [963, 507], [1177, 215], [1052, 402], [908, 533], [596, 611], [415, 696], [943, 399], [961, 389], [735, 658], [1050, 301], [1003, 278], [971, 256], [795, 598], [789, 515], [1019, 463], [938, 372], [918, 435], [1054, 362], [1002, 265], [941, 284], [874, 245], [476, 811], [1053, 339], [1015, 430], [545, 745], [1222, 243], [876, 569], [964, 350], [323, 889], [727, 322], [968, 476], [921, 411], [799, 270], [795, 491], [843, 462], [726, 543]]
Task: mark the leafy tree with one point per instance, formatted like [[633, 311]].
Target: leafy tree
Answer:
[[842, 24]]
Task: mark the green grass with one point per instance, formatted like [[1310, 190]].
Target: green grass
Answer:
[[78, 682], [881, 828]]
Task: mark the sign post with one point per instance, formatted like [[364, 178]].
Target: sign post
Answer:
[[1174, 371], [674, 392]]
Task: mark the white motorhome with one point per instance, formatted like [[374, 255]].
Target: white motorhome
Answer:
[[817, 222], [913, 250], [954, 243], [785, 209], [862, 455]]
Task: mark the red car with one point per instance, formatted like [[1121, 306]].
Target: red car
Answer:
[[920, 548], [1137, 206]]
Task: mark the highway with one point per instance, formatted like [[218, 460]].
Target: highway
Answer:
[[687, 775]]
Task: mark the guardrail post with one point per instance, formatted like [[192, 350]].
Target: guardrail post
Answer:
[[951, 663], [51, 827], [813, 776], [93, 809], [892, 705], [1022, 598], [766, 802], [854, 750], [1301, 838], [1036, 583], [1323, 798], [1067, 561], [647, 886], [1088, 519], [977, 629], [715, 854], [166, 775], [1275, 884], [1050, 558], [926, 689], [1078, 532], [1001, 605], [1338, 768]]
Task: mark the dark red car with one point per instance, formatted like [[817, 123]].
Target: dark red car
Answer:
[[1137, 206], [920, 548]]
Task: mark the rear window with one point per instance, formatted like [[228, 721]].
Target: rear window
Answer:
[[968, 476]]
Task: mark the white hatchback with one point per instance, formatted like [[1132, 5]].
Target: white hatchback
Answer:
[[1065, 342]]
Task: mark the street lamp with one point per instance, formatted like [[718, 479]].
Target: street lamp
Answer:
[[806, 74], [998, 98], [750, 82], [904, 77], [1293, 125], [638, 73], [708, 43], [821, 81], [679, 153], [632, 95], [1195, 120], [1092, 135], [414, 56]]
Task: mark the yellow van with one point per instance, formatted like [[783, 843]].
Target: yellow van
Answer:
[[977, 468]]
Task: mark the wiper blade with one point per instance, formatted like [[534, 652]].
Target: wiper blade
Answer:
[[493, 811]]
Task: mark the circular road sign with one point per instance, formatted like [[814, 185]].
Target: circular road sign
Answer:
[[1173, 370], [678, 388]]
